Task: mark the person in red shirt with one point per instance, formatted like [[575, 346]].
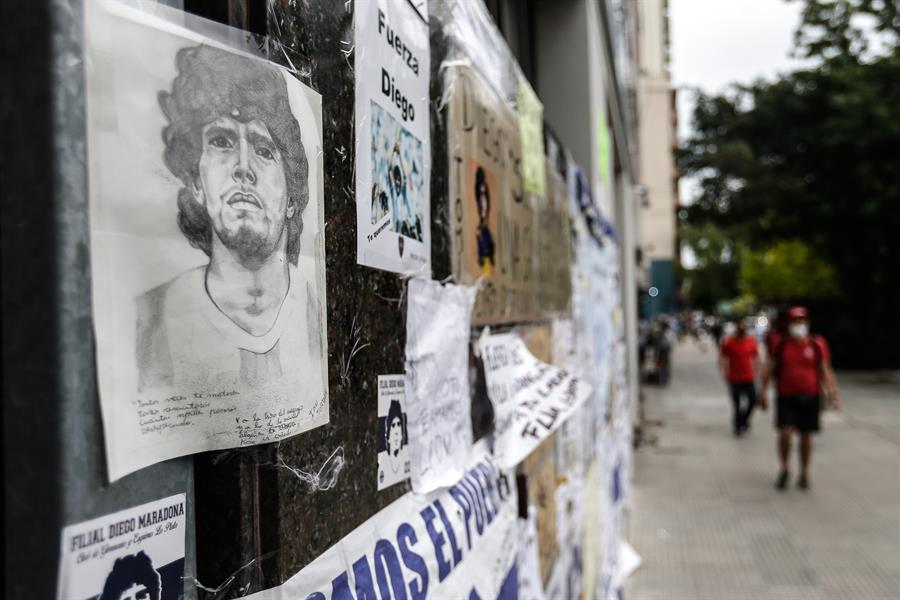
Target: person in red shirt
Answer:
[[738, 361], [801, 365]]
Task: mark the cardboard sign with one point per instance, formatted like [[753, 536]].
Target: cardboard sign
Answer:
[[483, 151]]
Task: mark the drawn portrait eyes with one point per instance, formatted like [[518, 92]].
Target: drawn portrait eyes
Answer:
[[221, 142], [265, 152]]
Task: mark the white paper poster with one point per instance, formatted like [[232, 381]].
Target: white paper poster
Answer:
[[393, 152], [393, 439], [531, 398], [460, 542], [207, 242], [529, 569], [437, 381], [134, 553]]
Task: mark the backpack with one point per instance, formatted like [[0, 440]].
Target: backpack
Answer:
[[779, 352]]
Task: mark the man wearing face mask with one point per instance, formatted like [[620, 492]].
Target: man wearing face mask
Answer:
[[801, 366], [738, 362]]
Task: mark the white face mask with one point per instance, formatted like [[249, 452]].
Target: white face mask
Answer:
[[799, 330]]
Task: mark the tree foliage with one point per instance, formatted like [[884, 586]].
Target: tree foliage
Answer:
[[812, 157], [714, 274], [785, 272]]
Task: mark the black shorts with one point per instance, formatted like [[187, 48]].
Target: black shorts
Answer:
[[799, 412]]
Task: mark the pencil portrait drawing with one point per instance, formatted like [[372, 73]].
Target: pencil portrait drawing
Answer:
[[242, 318]]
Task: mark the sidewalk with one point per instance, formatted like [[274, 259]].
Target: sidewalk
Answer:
[[709, 524]]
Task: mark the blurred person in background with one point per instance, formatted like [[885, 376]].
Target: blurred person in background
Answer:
[[801, 366], [739, 364], [716, 330]]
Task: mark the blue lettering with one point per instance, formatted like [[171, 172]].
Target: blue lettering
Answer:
[[340, 588], [365, 590], [386, 556], [476, 503], [489, 487], [437, 539], [466, 507], [451, 535], [406, 537]]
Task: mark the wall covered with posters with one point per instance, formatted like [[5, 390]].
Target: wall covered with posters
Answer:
[[341, 266]]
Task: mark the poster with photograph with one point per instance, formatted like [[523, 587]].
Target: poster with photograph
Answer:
[[393, 153], [207, 242], [393, 437], [134, 553]]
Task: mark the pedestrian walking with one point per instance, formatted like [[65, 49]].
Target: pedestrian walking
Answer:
[[801, 366], [739, 363]]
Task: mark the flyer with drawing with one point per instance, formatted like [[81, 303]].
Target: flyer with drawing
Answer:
[[393, 152], [393, 437], [133, 553], [207, 242]]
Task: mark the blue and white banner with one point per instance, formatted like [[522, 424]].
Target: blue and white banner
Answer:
[[459, 542]]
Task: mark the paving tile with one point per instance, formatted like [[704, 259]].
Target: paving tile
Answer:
[[709, 524]]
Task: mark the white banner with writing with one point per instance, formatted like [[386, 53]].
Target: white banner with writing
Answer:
[[531, 398], [460, 542]]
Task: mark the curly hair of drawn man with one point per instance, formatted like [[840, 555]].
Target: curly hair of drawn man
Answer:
[[211, 84], [133, 573]]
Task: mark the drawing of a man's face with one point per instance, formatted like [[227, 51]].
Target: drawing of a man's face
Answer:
[[242, 184], [482, 194], [395, 436], [233, 141], [132, 578], [135, 592]]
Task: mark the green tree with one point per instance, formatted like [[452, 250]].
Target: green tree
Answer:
[[787, 272], [713, 274], [811, 157]]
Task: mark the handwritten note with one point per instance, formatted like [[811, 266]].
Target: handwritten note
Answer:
[[437, 383]]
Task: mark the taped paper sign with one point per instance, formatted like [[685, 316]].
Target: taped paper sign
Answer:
[[393, 439], [530, 585], [437, 382], [133, 553], [393, 153], [531, 126], [531, 398], [207, 242], [457, 543]]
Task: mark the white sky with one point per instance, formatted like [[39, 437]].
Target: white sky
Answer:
[[717, 42]]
